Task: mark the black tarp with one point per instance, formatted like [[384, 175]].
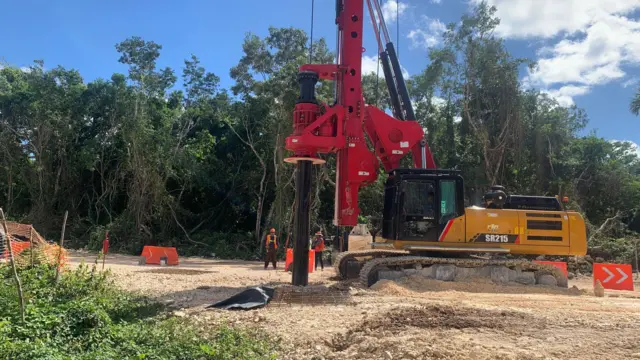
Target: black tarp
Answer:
[[252, 298]]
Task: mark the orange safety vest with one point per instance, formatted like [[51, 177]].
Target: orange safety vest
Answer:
[[271, 239], [319, 245]]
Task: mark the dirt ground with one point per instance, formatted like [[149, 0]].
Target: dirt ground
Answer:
[[411, 319]]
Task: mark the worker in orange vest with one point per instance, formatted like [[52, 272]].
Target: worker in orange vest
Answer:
[[318, 247], [271, 244]]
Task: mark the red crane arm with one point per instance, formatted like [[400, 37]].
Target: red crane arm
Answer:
[[341, 128]]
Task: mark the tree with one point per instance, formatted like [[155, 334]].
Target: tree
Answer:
[[635, 103], [202, 168]]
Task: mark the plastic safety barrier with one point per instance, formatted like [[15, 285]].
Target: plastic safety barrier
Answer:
[[154, 255], [288, 260]]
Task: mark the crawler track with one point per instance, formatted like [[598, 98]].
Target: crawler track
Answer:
[[369, 272], [340, 263]]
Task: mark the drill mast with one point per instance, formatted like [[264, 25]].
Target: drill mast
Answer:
[[322, 129]]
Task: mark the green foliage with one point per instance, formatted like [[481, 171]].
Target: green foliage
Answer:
[[189, 165], [635, 103], [86, 317]]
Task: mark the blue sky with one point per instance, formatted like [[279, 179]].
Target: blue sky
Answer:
[[589, 50]]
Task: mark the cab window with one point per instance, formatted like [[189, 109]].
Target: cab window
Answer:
[[419, 199], [447, 201]]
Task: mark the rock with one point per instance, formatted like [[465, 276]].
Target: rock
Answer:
[[547, 280], [514, 274], [445, 272], [463, 273], [500, 274], [526, 278], [428, 272], [318, 347], [571, 276], [390, 275], [204, 287], [599, 260], [540, 258], [598, 289], [180, 314], [409, 272], [387, 355], [574, 291]]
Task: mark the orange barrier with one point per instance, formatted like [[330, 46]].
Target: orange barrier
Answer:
[[288, 260], [614, 276], [153, 255], [51, 253], [17, 247], [559, 264]]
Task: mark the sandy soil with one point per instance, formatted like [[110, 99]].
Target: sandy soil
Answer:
[[411, 319]]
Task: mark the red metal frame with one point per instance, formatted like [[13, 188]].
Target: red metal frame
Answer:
[[341, 128]]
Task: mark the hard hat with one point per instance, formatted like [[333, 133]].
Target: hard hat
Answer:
[[319, 233], [272, 230]]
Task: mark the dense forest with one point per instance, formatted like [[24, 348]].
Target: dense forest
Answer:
[[156, 156]]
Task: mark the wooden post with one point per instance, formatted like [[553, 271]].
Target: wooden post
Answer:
[[635, 243], [64, 225], [7, 237]]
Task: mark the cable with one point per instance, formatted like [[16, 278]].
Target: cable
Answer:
[[313, 3], [378, 77]]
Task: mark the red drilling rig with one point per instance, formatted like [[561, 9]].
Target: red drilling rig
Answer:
[[425, 224], [340, 128]]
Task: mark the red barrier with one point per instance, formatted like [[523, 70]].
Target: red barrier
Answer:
[[559, 264], [153, 255], [17, 247], [614, 276], [288, 260]]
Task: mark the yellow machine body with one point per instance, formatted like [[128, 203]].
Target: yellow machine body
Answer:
[[520, 232]]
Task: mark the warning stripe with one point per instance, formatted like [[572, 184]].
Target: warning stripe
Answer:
[[446, 230]]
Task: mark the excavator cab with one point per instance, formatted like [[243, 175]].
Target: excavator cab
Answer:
[[418, 203]]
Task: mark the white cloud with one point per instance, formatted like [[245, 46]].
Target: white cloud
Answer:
[[547, 18], [594, 59], [634, 147], [596, 39], [436, 1], [565, 94], [631, 82], [427, 34], [369, 65], [391, 8]]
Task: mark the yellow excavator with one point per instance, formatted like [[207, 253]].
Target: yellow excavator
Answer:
[[425, 223]]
